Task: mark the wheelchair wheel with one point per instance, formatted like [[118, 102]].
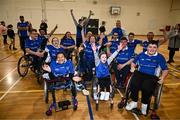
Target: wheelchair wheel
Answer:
[[46, 94], [49, 112], [23, 66], [157, 95]]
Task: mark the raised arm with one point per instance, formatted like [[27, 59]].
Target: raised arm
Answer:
[[72, 15], [164, 39], [53, 30], [87, 20], [111, 58], [83, 35], [96, 57]]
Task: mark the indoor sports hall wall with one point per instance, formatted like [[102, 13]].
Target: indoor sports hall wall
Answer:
[[139, 16]]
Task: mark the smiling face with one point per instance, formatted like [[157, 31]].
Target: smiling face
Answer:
[[152, 49], [92, 39], [68, 35], [55, 42], [150, 36], [60, 58], [103, 58], [34, 35]]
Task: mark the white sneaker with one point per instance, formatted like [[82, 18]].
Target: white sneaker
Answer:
[[95, 96], [102, 95], [107, 96], [144, 109], [131, 105], [85, 92], [46, 76]]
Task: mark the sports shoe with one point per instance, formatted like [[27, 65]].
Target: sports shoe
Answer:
[[131, 105], [85, 92], [106, 96], [102, 96], [144, 109]]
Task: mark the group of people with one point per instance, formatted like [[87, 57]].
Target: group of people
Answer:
[[115, 56]]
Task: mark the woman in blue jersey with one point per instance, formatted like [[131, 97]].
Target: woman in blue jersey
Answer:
[[61, 67], [53, 50], [149, 65], [68, 44]]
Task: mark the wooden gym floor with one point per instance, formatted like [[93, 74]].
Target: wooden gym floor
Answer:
[[22, 98]]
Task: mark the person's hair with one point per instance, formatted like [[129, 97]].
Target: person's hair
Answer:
[[92, 36], [41, 29], [64, 37], [150, 33], [80, 20], [53, 39], [2, 22], [123, 38], [102, 29], [62, 52], [33, 30], [153, 42], [21, 16], [10, 26], [101, 53], [131, 33]]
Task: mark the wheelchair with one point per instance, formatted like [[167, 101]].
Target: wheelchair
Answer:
[[153, 107], [24, 64], [96, 93], [60, 83]]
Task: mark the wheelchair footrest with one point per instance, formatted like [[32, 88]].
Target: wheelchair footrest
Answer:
[[63, 105], [136, 111]]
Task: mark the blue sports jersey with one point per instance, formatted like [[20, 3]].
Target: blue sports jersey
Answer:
[[102, 70], [33, 45], [67, 42], [114, 46], [124, 56], [23, 33], [150, 64], [78, 33], [132, 45], [88, 52], [53, 51], [119, 31], [105, 39], [62, 69]]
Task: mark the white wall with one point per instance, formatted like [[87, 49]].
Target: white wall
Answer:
[[153, 13]]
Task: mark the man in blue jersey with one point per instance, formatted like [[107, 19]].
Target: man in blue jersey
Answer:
[[132, 43], [122, 63], [118, 29], [45, 37], [149, 65], [150, 37], [32, 47], [79, 25], [22, 27]]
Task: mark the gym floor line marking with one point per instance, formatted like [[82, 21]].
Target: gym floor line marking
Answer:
[[171, 84], [10, 89], [23, 91], [9, 56], [8, 74]]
